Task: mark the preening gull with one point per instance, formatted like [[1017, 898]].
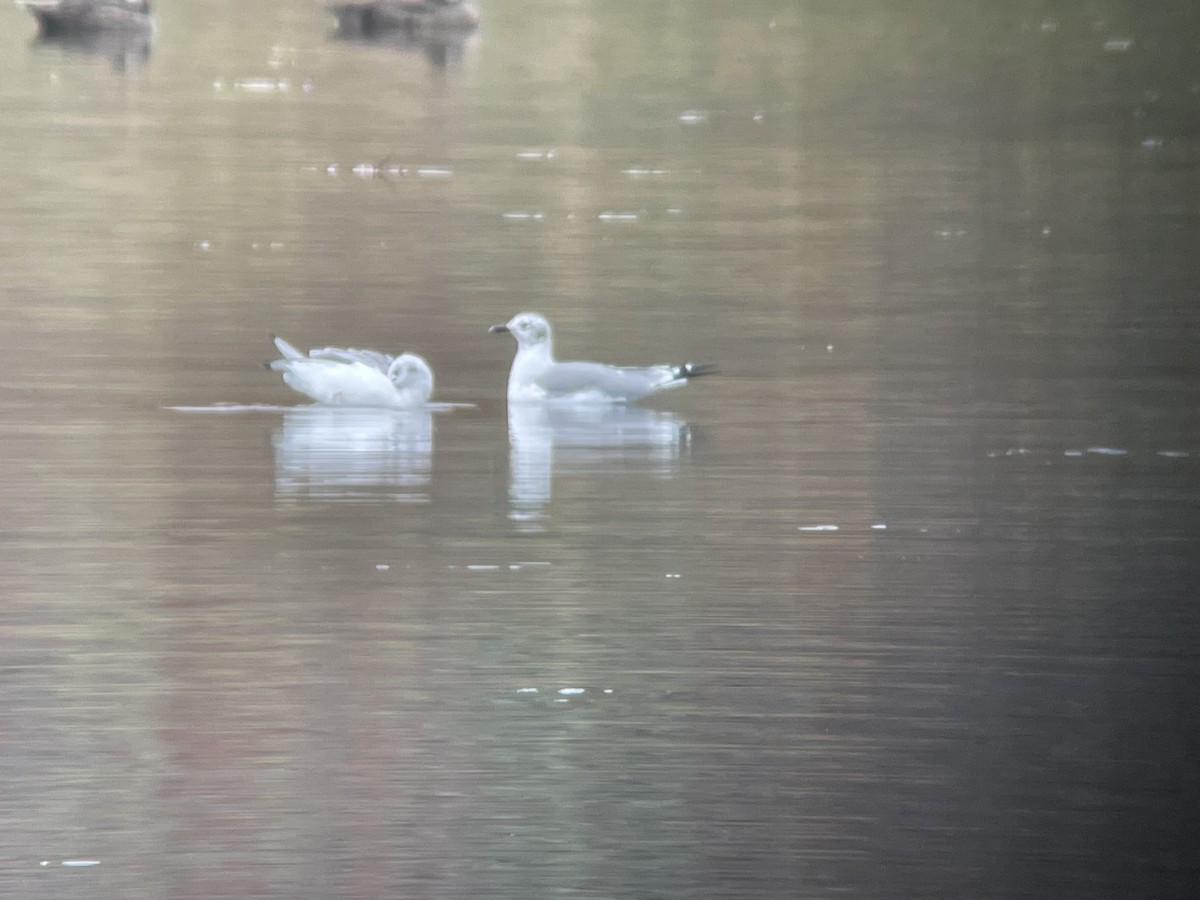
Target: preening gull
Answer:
[[536, 376], [340, 376]]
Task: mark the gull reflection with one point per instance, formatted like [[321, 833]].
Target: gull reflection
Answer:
[[584, 440], [126, 50], [348, 453], [443, 51]]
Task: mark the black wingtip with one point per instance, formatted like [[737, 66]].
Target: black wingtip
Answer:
[[695, 370]]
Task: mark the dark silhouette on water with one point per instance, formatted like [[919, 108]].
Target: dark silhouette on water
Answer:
[[437, 29], [379, 18], [76, 18]]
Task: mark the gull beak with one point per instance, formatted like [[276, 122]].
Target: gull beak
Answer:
[[498, 329]]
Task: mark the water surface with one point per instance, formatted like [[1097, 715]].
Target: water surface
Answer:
[[899, 604]]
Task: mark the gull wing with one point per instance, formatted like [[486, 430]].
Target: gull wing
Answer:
[[617, 382], [372, 358]]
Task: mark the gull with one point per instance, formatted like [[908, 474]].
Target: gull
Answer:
[[58, 18], [339, 376], [536, 376], [375, 17]]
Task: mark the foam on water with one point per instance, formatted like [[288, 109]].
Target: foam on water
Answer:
[[274, 408], [231, 408]]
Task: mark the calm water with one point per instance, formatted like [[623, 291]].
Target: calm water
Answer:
[[902, 604]]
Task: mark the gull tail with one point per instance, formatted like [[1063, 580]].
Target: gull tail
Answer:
[[693, 370], [286, 349]]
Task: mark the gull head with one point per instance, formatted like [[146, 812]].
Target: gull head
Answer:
[[528, 328], [409, 372]]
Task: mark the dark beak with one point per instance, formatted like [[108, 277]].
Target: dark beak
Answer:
[[498, 329]]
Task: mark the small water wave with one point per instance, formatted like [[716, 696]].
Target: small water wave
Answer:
[[496, 567], [1093, 450], [566, 694]]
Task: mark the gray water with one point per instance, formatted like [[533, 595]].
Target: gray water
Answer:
[[902, 603]]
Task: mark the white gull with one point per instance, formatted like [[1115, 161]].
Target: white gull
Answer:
[[339, 376], [537, 376]]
